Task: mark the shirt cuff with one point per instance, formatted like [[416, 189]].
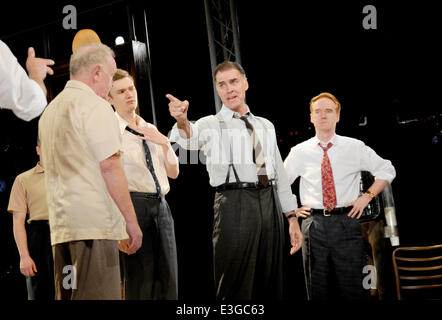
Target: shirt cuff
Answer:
[[190, 143], [289, 204]]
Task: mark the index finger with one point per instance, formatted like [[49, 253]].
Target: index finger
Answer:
[[49, 62], [31, 52], [171, 98]]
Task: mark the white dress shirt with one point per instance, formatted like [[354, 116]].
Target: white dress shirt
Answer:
[[348, 157], [17, 92], [237, 143]]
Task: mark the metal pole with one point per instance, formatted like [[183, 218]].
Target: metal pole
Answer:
[[149, 71], [130, 22], [233, 17], [212, 52]]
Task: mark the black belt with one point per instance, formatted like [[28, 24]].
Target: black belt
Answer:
[[39, 222], [149, 195], [335, 211], [243, 185]]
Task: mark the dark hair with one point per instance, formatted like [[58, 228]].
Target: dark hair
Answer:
[[226, 65]]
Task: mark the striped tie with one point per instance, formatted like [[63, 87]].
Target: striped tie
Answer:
[[258, 154]]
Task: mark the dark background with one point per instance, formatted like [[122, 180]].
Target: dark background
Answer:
[[290, 52]]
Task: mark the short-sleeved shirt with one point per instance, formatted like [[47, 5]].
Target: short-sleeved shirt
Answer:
[[78, 130], [139, 178], [28, 194]]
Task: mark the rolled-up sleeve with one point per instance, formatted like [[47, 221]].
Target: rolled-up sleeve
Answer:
[[380, 168], [17, 92], [288, 200], [192, 143]]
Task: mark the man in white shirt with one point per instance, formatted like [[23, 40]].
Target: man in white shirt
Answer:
[[152, 272], [252, 190], [24, 95], [329, 166]]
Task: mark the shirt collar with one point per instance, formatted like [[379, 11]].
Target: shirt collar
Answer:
[[333, 140], [80, 85], [227, 113], [123, 123], [38, 168]]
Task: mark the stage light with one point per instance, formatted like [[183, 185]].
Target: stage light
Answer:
[[119, 40]]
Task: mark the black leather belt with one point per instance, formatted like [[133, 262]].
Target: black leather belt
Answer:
[[39, 222], [325, 212], [243, 185], [148, 195]]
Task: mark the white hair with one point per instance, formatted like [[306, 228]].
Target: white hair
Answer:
[[88, 56]]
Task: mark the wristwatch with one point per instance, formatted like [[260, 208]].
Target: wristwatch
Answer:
[[292, 215], [371, 194]]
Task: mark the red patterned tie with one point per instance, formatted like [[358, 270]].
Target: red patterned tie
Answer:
[[328, 185]]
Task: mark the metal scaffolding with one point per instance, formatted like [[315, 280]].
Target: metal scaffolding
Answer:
[[222, 34]]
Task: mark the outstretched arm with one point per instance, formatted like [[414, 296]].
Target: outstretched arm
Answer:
[[178, 110]]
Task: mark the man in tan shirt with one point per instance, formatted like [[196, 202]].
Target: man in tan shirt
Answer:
[[28, 197], [88, 199], [152, 272]]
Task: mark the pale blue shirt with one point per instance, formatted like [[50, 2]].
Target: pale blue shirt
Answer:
[[206, 135]]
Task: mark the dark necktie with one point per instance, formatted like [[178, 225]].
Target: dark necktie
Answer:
[[148, 160], [328, 184], [258, 154]]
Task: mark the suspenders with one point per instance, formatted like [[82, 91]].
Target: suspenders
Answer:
[[226, 140]]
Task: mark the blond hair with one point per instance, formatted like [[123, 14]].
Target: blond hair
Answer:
[[88, 56], [120, 74]]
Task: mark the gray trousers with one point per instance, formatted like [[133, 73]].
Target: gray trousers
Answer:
[[333, 256], [248, 238], [152, 272]]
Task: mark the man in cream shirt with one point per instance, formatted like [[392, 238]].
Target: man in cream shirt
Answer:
[[86, 186], [152, 272]]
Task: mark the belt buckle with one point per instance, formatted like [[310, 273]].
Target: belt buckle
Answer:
[[324, 212]]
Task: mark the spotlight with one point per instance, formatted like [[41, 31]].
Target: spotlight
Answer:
[[119, 40]]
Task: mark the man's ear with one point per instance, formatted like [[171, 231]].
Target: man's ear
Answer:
[[96, 70]]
